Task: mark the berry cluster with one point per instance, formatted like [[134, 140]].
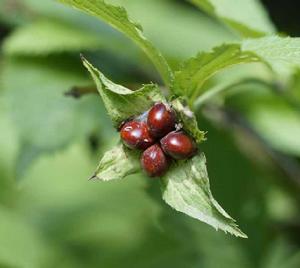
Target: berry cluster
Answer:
[[155, 133]]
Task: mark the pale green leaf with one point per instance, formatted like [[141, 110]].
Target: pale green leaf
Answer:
[[281, 53], [117, 163], [117, 17], [44, 37], [176, 22], [122, 103], [247, 17], [186, 188], [187, 119], [279, 125]]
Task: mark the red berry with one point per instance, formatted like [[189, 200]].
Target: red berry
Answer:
[[135, 135], [178, 145], [161, 120], [154, 161]]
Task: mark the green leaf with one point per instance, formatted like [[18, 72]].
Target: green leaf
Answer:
[[44, 117], [45, 37], [27, 155], [281, 53], [278, 124], [187, 119], [186, 188], [117, 17], [199, 31], [247, 17], [45, 120], [195, 71], [122, 103], [23, 245], [117, 163]]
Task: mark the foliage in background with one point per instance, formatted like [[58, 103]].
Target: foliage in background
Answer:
[[54, 217]]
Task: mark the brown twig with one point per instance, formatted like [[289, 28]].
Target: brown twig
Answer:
[[78, 92]]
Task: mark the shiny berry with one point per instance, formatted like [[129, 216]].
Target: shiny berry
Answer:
[[135, 135], [154, 161], [178, 145], [161, 120]]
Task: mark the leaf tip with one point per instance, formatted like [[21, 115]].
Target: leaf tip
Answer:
[[241, 235], [244, 236], [94, 177], [82, 57], [238, 232]]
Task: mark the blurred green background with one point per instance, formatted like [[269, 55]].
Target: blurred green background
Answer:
[[50, 143]]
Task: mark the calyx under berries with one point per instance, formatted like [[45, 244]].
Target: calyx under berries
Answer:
[[154, 133]]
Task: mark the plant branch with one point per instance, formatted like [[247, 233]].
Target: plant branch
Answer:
[[276, 88], [78, 92], [222, 88]]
